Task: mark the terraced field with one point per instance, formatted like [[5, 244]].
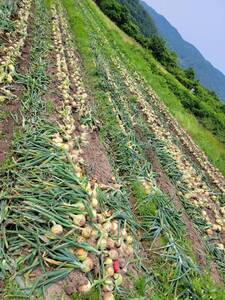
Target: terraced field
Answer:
[[103, 194]]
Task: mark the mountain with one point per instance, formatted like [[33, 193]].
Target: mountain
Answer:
[[188, 55]]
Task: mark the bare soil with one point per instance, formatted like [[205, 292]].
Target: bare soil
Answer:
[[97, 164]]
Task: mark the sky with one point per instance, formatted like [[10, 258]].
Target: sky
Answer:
[[200, 22]]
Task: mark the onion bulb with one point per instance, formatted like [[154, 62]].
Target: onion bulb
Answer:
[[129, 251], [80, 205], [118, 279], [94, 234], [108, 262], [129, 239], [102, 244], [94, 202], [113, 254], [109, 271], [110, 243], [81, 254], [100, 218], [57, 229], [87, 265], [85, 288], [79, 220], [209, 232], [108, 286], [107, 226], [114, 226], [108, 296], [86, 232], [220, 246]]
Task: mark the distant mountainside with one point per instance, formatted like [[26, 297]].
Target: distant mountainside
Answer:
[[188, 55], [142, 18]]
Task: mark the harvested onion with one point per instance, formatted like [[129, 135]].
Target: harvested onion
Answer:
[[118, 279], [81, 254], [129, 239], [94, 202], [110, 243], [86, 232], [85, 288], [108, 286], [79, 220], [102, 244], [113, 254], [57, 229], [108, 262], [87, 265], [108, 296], [107, 226], [109, 271]]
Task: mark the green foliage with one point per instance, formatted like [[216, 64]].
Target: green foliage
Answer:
[[190, 73], [120, 15], [143, 20]]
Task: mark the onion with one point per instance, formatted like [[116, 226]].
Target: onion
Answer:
[[79, 220], [65, 147], [57, 229], [94, 202], [85, 288], [108, 286], [81, 239], [107, 213], [102, 244], [108, 296], [107, 226], [108, 262], [129, 251], [80, 205], [94, 213], [209, 232], [86, 232], [118, 279], [94, 234], [220, 246], [100, 218], [87, 265], [113, 254], [109, 271], [119, 242], [114, 226], [129, 239], [110, 243], [81, 254]]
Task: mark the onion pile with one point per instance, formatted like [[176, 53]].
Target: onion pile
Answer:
[[94, 227], [16, 39]]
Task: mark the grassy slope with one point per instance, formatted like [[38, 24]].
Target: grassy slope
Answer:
[[146, 65]]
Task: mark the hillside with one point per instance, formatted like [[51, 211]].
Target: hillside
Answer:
[[144, 21], [189, 56], [193, 97], [104, 195]]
